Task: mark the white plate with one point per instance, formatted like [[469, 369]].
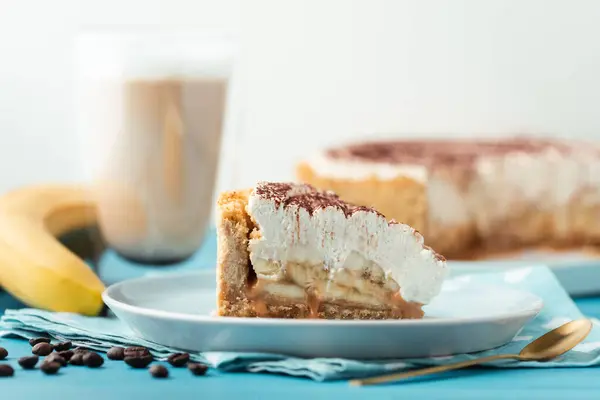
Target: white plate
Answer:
[[175, 310], [577, 271]]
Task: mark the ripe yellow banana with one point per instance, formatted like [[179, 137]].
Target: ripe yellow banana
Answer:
[[34, 266]]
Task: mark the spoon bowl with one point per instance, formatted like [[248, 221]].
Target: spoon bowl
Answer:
[[556, 342]]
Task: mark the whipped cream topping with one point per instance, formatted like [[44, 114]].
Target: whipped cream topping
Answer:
[[299, 224], [447, 203], [355, 169]]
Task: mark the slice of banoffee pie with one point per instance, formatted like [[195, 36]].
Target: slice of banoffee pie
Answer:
[[288, 250]]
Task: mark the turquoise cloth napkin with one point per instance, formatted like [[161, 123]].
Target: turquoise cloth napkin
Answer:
[[102, 333]]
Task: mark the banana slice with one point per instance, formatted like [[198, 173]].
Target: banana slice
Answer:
[[34, 266]]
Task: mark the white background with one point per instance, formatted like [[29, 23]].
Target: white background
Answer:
[[316, 72]]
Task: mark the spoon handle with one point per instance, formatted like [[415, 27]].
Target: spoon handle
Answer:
[[430, 370]]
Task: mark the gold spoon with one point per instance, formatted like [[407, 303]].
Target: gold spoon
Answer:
[[544, 348]]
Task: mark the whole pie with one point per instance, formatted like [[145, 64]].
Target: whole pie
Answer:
[[472, 198], [289, 250]]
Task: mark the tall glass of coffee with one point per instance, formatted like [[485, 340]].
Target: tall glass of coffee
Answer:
[[151, 111]]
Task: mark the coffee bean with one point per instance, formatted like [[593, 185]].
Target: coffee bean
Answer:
[[77, 359], [197, 368], [6, 370], [28, 362], [92, 360], [63, 346], [136, 351], [42, 349], [67, 354], [159, 371], [37, 340], [116, 353], [178, 359], [138, 362], [50, 368], [55, 357], [3, 353], [80, 350]]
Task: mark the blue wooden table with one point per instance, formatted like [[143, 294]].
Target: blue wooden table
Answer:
[[115, 380]]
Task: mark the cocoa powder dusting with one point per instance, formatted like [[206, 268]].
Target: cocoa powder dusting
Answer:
[[306, 197], [442, 152]]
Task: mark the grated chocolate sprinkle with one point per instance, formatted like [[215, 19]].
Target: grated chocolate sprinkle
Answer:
[[307, 197]]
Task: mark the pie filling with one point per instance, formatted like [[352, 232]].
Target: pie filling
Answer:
[[300, 278], [358, 284]]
